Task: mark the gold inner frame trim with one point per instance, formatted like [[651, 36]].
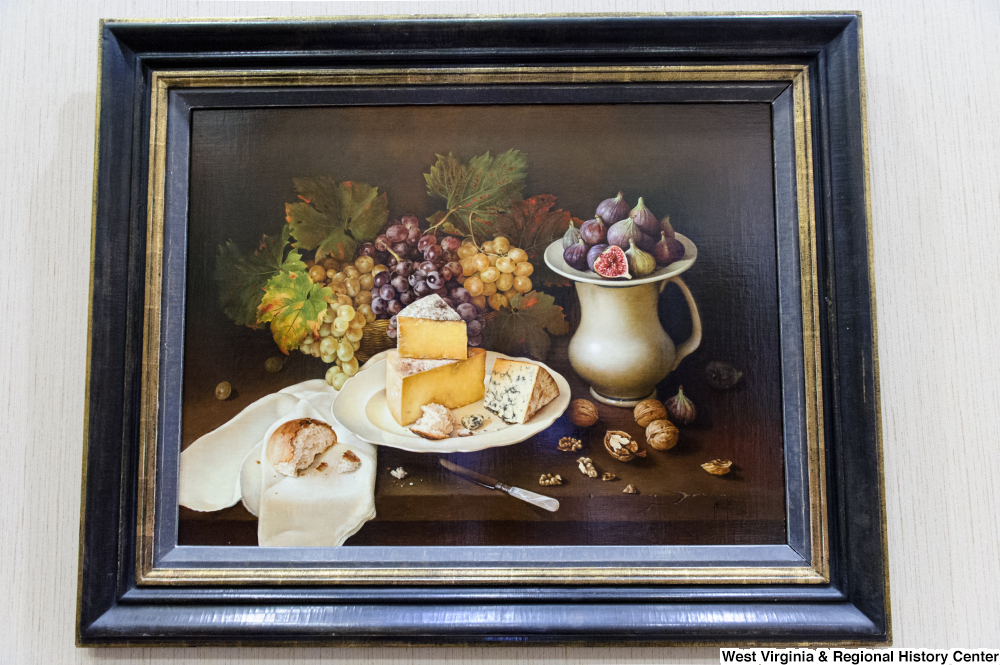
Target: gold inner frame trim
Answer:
[[815, 571]]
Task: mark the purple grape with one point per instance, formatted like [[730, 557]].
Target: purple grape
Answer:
[[467, 311], [386, 292], [366, 249], [455, 267], [427, 266], [382, 243], [434, 280], [397, 233], [421, 289], [449, 302], [390, 332], [410, 221], [481, 318], [446, 273], [390, 262], [395, 306], [416, 276], [433, 253], [460, 295], [400, 248], [412, 235], [404, 268], [381, 279], [406, 297], [393, 322], [425, 242], [451, 243], [378, 306], [473, 328], [400, 283], [475, 340]]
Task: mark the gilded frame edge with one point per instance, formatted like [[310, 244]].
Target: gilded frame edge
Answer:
[[797, 76]]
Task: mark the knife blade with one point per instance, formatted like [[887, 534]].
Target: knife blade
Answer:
[[545, 502]]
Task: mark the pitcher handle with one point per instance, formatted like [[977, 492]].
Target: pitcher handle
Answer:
[[692, 343]]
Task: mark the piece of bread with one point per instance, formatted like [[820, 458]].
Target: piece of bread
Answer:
[[349, 462], [295, 444], [436, 423]]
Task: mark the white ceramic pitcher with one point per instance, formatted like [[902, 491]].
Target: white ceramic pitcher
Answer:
[[620, 347]]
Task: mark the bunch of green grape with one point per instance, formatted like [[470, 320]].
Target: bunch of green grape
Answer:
[[339, 337]]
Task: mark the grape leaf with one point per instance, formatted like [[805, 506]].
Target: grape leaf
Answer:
[[522, 328], [242, 278], [532, 225], [333, 218], [475, 194], [294, 306]]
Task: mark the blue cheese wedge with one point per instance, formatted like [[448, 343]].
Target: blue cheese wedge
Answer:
[[518, 390]]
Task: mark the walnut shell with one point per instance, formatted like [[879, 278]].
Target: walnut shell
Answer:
[[661, 434], [717, 467], [626, 451], [649, 410], [582, 412]]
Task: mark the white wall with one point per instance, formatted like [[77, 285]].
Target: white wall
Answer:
[[933, 82]]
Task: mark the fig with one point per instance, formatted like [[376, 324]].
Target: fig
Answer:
[[593, 253], [642, 263], [644, 219], [594, 232], [612, 210], [621, 232], [668, 249], [612, 263], [576, 255], [571, 236], [666, 227]]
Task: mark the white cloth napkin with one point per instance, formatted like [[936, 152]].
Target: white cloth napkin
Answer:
[[316, 508]]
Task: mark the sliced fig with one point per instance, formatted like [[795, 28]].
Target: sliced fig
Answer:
[[612, 263]]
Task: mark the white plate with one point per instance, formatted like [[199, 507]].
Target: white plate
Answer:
[[554, 259], [361, 408]]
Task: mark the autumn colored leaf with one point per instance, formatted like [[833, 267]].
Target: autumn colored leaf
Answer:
[[333, 218], [295, 307], [524, 328], [242, 278], [477, 192], [533, 225]]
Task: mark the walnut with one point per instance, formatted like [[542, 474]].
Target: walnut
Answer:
[[568, 444], [398, 473], [548, 479], [608, 476], [582, 412], [717, 467], [587, 467], [649, 410], [661, 435], [630, 489], [621, 446]]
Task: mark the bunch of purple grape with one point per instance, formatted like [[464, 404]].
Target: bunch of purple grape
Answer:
[[420, 266]]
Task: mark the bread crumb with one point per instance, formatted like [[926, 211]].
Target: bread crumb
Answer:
[[322, 466], [398, 473], [349, 462]]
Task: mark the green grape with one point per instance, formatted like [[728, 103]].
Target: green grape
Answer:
[[345, 351], [274, 364], [337, 334], [329, 315], [328, 346], [304, 347], [356, 345], [224, 390], [328, 359], [350, 367], [353, 286], [339, 380], [332, 373], [345, 312], [354, 334], [314, 350], [341, 325], [324, 330]]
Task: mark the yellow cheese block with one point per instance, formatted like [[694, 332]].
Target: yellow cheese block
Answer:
[[411, 383], [430, 339]]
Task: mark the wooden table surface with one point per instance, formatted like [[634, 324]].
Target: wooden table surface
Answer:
[[677, 501]]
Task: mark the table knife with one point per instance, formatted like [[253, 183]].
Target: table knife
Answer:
[[546, 502]]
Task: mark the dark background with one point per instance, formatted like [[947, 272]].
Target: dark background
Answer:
[[708, 165]]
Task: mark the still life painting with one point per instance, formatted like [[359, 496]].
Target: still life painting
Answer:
[[482, 325]]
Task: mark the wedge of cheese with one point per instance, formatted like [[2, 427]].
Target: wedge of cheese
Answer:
[[518, 390], [430, 328], [412, 383]]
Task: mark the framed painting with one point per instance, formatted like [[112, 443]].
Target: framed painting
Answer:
[[464, 330]]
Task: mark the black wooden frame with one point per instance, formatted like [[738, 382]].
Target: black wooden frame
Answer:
[[852, 607]]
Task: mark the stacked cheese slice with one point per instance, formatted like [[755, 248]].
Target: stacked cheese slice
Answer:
[[433, 363]]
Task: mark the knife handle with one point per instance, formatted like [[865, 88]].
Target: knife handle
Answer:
[[546, 502]]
